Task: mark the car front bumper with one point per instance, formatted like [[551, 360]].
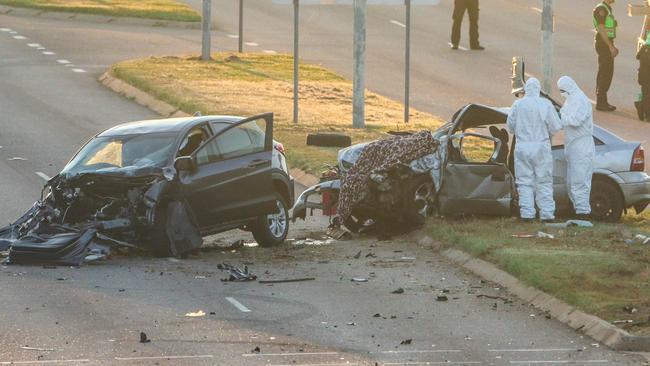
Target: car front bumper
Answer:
[[635, 187]]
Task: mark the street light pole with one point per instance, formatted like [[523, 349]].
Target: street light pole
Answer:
[[358, 99], [296, 58], [205, 29], [241, 26], [547, 43], [407, 62]]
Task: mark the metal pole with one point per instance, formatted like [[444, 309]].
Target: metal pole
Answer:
[[547, 43], [407, 63], [205, 28], [358, 114], [241, 26], [295, 59]]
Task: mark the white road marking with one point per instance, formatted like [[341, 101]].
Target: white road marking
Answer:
[[79, 70], [434, 363], [63, 62], [42, 362], [20, 37], [43, 175], [252, 44], [5, 29], [535, 350], [41, 48], [238, 305], [235, 36], [270, 52], [162, 357], [288, 354], [564, 362], [537, 9], [49, 53], [399, 24], [13, 32], [459, 47], [17, 158], [421, 351], [316, 364], [33, 45]]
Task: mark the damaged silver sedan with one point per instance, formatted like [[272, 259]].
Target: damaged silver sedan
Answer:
[[161, 185], [472, 172]]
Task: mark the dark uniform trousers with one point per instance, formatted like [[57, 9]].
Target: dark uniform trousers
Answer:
[[605, 70], [460, 6]]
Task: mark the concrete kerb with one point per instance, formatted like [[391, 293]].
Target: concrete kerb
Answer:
[[592, 326], [97, 18]]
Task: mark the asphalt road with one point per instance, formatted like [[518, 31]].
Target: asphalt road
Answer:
[[94, 314]]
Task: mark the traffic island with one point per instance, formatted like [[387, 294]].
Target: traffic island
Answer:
[[147, 12], [249, 84]]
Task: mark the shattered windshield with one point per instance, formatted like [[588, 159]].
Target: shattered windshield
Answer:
[[122, 154]]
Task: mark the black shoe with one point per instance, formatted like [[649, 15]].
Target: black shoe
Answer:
[[639, 110], [585, 217], [477, 48], [454, 46], [605, 107]]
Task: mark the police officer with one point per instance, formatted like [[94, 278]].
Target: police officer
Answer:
[[460, 6], [605, 25]]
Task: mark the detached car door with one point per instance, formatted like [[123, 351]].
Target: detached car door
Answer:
[[232, 178], [473, 181]]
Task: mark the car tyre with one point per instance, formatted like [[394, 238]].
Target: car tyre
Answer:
[[272, 229], [606, 201], [418, 196], [329, 140]]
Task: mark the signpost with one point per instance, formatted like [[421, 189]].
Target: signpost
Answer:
[[205, 30], [241, 26], [359, 50]]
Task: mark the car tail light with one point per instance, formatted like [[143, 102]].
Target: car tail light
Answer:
[[329, 203], [278, 146], [638, 160]]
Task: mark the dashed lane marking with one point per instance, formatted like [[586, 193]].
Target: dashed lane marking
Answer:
[[288, 354], [434, 363], [13, 32], [557, 362], [63, 62], [43, 175], [19, 37], [49, 53], [270, 52], [318, 364], [252, 44], [234, 36], [459, 47], [399, 24], [43, 362], [537, 9], [80, 71], [5, 29], [419, 351], [535, 350], [238, 305], [162, 357], [33, 45]]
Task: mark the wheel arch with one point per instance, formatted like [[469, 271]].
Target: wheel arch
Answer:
[[606, 178], [282, 185]]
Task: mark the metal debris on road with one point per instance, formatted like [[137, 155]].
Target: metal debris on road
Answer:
[[236, 274], [406, 342], [288, 280], [442, 298], [37, 349], [143, 338], [543, 235], [628, 321], [398, 291], [569, 223], [196, 314], [358, 255]]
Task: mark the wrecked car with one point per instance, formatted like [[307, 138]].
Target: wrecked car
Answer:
[[162, 185], [472, 172]]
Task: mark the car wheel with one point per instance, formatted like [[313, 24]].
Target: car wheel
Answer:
[[329, 140], [606, 201], [418, 196], [270, 230]]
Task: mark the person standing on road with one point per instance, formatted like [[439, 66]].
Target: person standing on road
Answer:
[[460, 6], [643, 104], [605, 25], [533, 120], [577, 120]]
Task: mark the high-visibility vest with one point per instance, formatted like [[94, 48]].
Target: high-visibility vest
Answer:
[[610, 21]]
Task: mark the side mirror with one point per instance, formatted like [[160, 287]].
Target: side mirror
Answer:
[[184, 163]]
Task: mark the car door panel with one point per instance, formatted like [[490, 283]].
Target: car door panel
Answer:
[[233, 188]]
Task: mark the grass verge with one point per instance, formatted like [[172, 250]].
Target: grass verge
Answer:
[[248, 84], [602, 270], [170, 10]]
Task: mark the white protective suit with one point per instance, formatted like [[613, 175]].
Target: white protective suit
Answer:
[[533, 120], [577, 121]]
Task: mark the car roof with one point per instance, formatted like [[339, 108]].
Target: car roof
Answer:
[[166, 125]]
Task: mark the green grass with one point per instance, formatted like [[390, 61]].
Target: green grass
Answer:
[[170, 10], [593, 269], [247, 84]]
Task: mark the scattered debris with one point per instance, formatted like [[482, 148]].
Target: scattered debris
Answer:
[[377, 315], [339, 233], [540, 234], [236, 274], [196, 314], [351, 324], [406, 342], [442, 298], [256, 350], [313, 242], [371, 255], [359, 280], [234, 246], [642, 239], [495, 298], [287, 280], [543, 235], [628, 321], [37, 349], [358, 255], [17, 158], [570, 223], [143, 338], [630, 309], [398, 291]]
